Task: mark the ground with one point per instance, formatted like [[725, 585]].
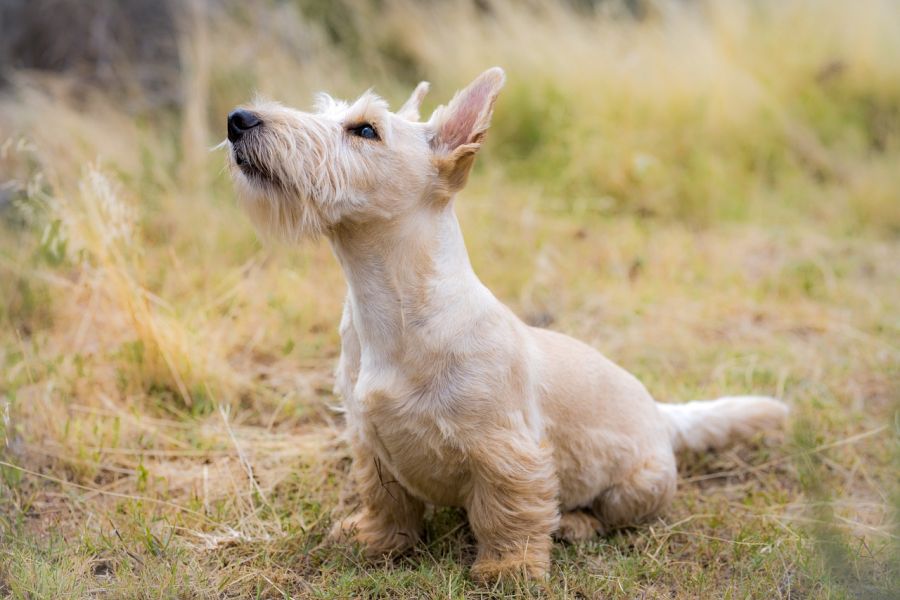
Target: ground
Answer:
[[712, 201]]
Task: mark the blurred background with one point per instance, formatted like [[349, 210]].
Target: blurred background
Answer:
[[708, 192]]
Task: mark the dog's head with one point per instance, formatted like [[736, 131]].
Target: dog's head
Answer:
[[300, 174]]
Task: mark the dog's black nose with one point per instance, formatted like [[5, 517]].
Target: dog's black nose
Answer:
[[239, 122]]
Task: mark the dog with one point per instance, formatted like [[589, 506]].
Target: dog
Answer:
[[451, 399]]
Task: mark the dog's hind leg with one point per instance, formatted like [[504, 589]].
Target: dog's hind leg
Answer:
[[643, 493], [390, 519], [639, 496]]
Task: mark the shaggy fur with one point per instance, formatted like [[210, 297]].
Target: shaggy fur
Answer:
[[450, 398]]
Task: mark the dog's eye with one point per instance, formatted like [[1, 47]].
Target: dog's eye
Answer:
[[364, 130]]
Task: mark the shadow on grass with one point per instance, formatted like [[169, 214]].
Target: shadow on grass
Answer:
[[843, 559]]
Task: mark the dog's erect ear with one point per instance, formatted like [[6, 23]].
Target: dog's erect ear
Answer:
[[410, 109], [460, 126]]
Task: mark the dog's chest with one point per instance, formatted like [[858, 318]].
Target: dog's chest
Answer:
[[419, 446]]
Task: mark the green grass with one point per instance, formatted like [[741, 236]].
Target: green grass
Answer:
[[710, 197]]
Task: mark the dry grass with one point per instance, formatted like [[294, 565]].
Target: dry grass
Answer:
[[709, 196]]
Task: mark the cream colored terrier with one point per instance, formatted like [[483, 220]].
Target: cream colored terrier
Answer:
[[450, 398]]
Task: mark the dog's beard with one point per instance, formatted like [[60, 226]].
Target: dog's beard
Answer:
[[277, 208], [251, 167]]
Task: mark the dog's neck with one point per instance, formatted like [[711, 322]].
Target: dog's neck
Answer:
[[403, 276]]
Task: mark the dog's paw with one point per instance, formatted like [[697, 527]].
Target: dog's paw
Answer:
[[512, 569], [344, 530], [374, 536], [577, 526]]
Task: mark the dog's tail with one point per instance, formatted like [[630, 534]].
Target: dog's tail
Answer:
[[713, 424]]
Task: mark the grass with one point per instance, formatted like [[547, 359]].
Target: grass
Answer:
[[708, 195]]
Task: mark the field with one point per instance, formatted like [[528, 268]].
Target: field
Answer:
[[707, 192]]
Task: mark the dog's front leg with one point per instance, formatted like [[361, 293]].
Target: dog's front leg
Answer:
[[513, 508], [390, 519]]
